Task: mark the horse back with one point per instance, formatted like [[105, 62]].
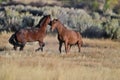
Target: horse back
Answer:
[[29, 35], [25, 35]]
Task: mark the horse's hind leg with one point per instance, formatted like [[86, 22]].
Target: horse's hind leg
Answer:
[[79, 47], [15, 47], [22, 46]]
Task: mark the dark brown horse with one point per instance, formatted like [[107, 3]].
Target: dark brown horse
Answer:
[[68, 37], [19, 38]]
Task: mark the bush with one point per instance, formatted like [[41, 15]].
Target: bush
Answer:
[[94, 32], [15, 17], [27, 22], [112, 29], [72, 18]]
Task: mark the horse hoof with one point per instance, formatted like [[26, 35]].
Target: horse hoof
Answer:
[[36, 50], [21, 50]]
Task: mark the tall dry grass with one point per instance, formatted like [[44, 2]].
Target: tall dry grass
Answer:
[[98, 60], [55, 68]]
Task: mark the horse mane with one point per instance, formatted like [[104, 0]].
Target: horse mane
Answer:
[[61, 23], [40, 22]]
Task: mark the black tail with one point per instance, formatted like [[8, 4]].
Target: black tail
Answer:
[[13, 40]]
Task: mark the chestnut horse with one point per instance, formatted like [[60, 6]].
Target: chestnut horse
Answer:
[[19, 38], [68, 37]]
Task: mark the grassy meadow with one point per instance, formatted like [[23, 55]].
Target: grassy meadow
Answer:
[[99, 59]]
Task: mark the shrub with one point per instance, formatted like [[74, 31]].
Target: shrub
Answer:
[[94, 32], [15, 17], [27, 22], [112, 29]]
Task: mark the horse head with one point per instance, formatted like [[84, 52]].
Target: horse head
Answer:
[[48, 18], [54, 24]]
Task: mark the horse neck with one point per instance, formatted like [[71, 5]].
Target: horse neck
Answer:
[[60, 28]]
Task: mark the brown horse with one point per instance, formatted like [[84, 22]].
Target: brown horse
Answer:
[[19, 38], [68, 37]]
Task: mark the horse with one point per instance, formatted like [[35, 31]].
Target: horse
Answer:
[[22, 36], [66, 36]]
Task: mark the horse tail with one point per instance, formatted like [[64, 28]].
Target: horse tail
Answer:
[[13, 40], [80, 38]]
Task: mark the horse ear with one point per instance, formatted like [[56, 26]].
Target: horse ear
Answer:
[[49, 15], [56, 19], [46, 15]]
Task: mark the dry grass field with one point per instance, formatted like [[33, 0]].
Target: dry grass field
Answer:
[[99, 60]]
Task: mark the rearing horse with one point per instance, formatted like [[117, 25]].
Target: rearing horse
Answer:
[[19, 38], [68, 37]]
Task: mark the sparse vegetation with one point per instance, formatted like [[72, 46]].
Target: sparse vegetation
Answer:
[[14, 17]]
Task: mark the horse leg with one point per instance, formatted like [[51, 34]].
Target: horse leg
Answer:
[[22, 46], [69, 46], [79, 47], [66, 47], [15, 47], [60, 46], [41, 44]]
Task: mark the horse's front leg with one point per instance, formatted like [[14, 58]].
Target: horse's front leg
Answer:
[[60, 46], [66, 47], [69, 46], [41, 44]]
